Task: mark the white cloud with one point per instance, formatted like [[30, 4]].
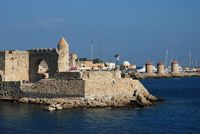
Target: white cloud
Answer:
[[50, 23], [174, 42]]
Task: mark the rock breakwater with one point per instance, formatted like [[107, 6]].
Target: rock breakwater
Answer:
[[139, 99], [169, 75]]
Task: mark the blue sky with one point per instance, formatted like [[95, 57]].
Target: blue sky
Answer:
[[136, 29]]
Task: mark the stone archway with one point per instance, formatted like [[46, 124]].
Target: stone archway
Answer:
[[35, 58], [40, 70], [43, 70]]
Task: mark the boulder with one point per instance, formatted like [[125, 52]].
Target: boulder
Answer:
[[123, 101], [58, 107], [50, 108], [152, 98], [142, 101]]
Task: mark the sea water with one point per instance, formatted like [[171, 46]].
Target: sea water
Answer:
[[180, 113]]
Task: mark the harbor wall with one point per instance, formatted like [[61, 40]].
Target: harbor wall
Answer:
[[109, 84], [113, 88], [42, 89], [97, 85], [54, 89], [10, 90]]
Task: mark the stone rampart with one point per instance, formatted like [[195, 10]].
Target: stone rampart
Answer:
[[54, 89], [98, 85], [10, 90], [108, 88], [100, 89], [42, 89], [101, 74], [67, 75]]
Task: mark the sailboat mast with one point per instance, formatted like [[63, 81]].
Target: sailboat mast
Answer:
[[92, 50], [166, 59], [190, 57], [196, 63]]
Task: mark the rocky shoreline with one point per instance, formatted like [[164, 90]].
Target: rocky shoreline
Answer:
[[93, 89], [137, 100]]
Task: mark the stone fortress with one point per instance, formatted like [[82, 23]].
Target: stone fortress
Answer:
[[23, 79], [23, 65]]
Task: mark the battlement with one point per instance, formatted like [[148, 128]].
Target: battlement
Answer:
[[43, 50], [2, 52], [15, 52], [12, 52]]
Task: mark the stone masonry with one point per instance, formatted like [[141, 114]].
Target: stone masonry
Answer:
[[23, 65], [20, 78], [14, 65]]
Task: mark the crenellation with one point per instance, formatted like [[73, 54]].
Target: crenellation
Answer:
[[43, 50]]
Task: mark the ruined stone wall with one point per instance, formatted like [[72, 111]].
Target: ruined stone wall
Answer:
[[108, 84], [16, 65], [98, 85], [54, 89], [107, 88], [10, 90]]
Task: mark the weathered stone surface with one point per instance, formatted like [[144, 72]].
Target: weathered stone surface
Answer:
[[55, 88], [99, 91], [152, 98], [142, 101], [51, 108], [14, 65], [10, 90]]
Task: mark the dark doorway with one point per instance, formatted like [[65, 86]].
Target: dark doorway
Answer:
[[0, 78]]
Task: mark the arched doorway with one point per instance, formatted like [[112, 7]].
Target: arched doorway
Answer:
[[0, 78], [43, 70]]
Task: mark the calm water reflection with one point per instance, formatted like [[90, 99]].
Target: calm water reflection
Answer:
[[179, 114]]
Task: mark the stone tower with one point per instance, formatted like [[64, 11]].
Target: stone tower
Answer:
[[160, 68], [63, 55], [174, 67], [73, 59], [149, 68]]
